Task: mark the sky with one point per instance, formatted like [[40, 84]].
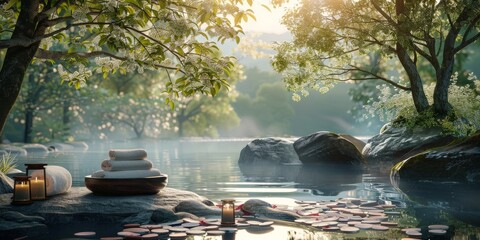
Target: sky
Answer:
[[267, 21]]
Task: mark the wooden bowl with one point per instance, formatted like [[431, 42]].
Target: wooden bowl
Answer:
[[126, 186]]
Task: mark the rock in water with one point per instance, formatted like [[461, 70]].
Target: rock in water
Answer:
[[396, 144], [272, 150], [6, 184], [14, 224], [263, 209], [197, 208], [327, 148], [459, 162]]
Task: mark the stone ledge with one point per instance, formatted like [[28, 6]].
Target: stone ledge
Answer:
[[80, 204]]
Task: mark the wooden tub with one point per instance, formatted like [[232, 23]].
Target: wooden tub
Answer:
[[126, 186]]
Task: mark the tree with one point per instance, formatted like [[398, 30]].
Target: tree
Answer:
[[332, 39], [124, 35]]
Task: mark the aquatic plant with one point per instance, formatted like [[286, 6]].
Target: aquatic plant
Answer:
[[7, 162]]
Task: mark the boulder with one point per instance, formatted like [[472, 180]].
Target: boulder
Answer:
[[395, 144], [456, 162], [327, 148], [264, 209], [35, 148], [6, 184], [15, 172], [16, 225], [271, 150], [359, 144], [198, 208], [80, 204], [14, 150], [163, 215]]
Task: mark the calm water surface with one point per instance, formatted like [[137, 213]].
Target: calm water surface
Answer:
[[210, 168]]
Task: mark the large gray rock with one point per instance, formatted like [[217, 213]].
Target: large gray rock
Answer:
[[14, 150], [396, 144], [197, 208], [327, 148], [14, 225], [6, 184], [457, 162], [79, 204], [36, 148], [264, 209], [271, 150]]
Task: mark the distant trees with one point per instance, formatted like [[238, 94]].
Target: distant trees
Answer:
[[333, 38], [125, 36]]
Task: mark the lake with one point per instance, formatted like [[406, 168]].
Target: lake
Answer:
[[210, 168]]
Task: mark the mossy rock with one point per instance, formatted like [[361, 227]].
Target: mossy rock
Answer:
[[456, 162]]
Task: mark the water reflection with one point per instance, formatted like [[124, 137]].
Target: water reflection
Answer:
[[460, 200], [322, 180]]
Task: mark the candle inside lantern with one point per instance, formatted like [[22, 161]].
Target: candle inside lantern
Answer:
[[228, 212], [38, 189], [22, 191]]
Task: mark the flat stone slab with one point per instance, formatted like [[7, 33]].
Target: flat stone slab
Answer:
[[81, 204]]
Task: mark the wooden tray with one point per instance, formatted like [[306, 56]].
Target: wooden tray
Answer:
[[126, 186]]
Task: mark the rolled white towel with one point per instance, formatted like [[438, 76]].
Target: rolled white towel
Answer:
[[127, 174], [127, 154], [114, 165], [59, 179]]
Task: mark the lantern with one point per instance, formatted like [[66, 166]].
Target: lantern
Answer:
[[38, 180], [21, 190], [228, 212]]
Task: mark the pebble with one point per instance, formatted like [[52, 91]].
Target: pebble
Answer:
[[330, 228], [131, 225], [210, 227], [321, 224], [265, 224], [411, 229], [150, 236], [195, 232], [343, 219], [240, 225], [353, 223], [349, 229], [160, 231], [364, 226], [84, 234], [177, 235], [215, 232], [342, 225], [178, 229], [152, 226], [437, 231], [136, 230], [254, 223], [189, 225], [436, 226], [413, 233], [380, 228], [189, 220], [128, 234], [371, 221], [111, 238]]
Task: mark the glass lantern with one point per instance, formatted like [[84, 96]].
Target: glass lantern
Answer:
[[228, 212], [38, 180], [21, 190]]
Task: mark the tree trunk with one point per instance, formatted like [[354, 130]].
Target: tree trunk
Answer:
[[17, 59], [418, 95], [66, 119], [27, 134]]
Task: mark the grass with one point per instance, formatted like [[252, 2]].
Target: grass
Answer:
[[7, 162]]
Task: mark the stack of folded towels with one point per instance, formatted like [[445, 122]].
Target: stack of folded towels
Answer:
[[127, 163]]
